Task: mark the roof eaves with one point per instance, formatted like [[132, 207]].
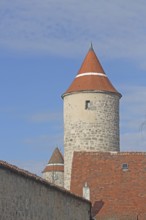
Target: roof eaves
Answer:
[[91, 91]]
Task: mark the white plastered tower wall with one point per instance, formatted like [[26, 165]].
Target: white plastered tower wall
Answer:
[[91, 113]]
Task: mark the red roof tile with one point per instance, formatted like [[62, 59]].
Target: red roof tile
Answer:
[[91, 63], [56, 162], [54, 168], [56, 157], [91, 77], [113, 190]]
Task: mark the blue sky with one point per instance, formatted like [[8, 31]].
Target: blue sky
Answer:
[[42, 45]]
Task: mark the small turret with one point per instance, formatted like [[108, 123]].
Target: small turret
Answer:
[[54, 171]]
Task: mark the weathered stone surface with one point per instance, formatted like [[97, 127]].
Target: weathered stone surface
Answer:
[[89, 129], [24, 197], [55, 177]]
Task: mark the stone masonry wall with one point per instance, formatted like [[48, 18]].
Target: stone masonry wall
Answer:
[[55, 177], [25, 197], [93, 129]]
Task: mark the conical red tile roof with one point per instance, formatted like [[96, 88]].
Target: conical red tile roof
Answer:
[[56, 157], [91, 63], [56, 162], [91, 77]]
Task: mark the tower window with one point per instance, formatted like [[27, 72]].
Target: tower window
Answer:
[[124, 166], [87, 104]]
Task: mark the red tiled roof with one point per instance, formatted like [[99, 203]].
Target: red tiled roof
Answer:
[[54, 168], [56, 157], [91, 77], [113, 191], [56, 162], [91, 63]]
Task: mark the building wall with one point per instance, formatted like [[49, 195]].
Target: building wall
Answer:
[[25, 197], [92, 129], [54, 177]]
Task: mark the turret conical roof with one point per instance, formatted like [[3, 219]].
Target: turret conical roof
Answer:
[[91, 77], [56, 162], [56, 157]]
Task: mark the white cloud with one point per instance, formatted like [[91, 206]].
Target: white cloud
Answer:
[[117, 28]]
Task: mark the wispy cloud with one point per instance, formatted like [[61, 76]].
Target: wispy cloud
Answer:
[[45, 141], [133, 118], [133, 105], [33, 166], [134, 141], [116, 27], [45, 117]]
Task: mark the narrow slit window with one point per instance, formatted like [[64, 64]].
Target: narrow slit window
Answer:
[[87, 104]]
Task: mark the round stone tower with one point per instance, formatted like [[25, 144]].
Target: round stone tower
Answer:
[[91, 113], [54, 171]]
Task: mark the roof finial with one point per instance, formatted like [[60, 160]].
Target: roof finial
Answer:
[[91, 47]]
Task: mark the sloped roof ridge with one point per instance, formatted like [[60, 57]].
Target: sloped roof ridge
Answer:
[[56, 157], [25, 173]]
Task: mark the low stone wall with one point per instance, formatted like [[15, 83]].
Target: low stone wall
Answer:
[[24, 196]]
